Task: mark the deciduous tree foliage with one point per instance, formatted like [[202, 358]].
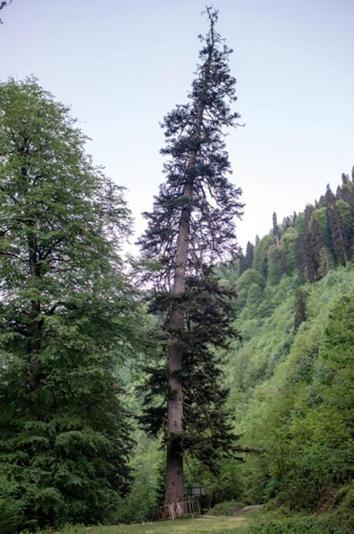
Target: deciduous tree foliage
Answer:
[[191, 228], [66, 319]]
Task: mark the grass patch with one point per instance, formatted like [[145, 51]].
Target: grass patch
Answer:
[[249, 520], [200, 525]]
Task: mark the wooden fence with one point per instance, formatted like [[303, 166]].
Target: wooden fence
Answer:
[[189, 508]]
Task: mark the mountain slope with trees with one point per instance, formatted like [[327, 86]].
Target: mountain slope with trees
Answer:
[[291, 375], [290, 382]]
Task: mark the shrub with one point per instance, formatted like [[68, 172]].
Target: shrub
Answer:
[[294, 525], [226, 508]]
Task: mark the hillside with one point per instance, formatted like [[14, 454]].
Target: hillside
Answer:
[[291, 390], [289, 376]]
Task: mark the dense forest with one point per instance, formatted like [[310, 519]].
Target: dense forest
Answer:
[[126, 382]]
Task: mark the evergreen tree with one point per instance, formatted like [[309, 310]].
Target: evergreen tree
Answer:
[[321, 241], [309, 243], [287, 222], [346, 193], [275, 231], [246, 261], [329, 196], [304, 250], [341, 226], [249, 255], [66, 314], [240, 263], [190, 228]]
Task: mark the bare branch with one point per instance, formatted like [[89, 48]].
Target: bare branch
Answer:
[[3, 4]]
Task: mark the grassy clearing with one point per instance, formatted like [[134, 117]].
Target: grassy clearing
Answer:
[[250, 520], [200, 525]]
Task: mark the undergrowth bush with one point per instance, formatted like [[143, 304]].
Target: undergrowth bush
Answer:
[[342, 513], [226, 508], [11, 515], [295, 525]]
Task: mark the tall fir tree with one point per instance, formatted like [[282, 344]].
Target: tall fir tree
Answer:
[[304, 250], [66, 319], [341, 227], [275, 230], [191, 228], [329, 197], [247, 259]]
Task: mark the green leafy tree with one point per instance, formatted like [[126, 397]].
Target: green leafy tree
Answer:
[[66, 317], [276, 262], [300, 308], [261, 254], [244, 282], [289, 239], [191, 228]]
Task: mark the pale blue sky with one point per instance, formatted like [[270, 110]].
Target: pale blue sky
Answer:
[[122, 64]]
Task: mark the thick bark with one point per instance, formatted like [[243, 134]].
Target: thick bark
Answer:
[[174, 489], [174, 455]]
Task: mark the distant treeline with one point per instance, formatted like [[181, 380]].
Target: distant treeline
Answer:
[[309, 243]]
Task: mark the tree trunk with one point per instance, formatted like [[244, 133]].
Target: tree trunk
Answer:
[[174, 456], [174, 489]]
